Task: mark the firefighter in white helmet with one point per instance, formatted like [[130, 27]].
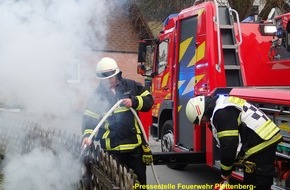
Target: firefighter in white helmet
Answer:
[[234, 122], [107, 68], [120, 134]]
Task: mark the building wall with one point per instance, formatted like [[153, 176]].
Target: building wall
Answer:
[[122, 45], [121, 36]]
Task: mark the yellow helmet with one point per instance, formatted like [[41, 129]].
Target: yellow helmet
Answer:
[[106, 68], [195, 109]]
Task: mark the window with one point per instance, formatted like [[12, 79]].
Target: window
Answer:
[[162, 57], [73, 72]]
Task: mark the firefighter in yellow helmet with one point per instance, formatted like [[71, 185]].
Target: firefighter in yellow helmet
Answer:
[[120, 135], [234, 122]]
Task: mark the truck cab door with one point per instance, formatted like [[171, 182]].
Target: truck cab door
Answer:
[[161, 84], [185, 74]]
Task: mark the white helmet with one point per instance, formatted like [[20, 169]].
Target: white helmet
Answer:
[[195, 109], [106, 68]]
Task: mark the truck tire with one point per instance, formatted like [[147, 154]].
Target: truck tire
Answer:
[[167, 143]]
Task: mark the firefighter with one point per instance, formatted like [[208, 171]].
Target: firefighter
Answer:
[[120, 135], [246, 137]]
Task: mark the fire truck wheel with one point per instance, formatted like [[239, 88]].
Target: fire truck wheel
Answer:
[[167, 143]]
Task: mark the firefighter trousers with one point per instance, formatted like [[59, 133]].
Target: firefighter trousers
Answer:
[[262, 177], [133, 160]]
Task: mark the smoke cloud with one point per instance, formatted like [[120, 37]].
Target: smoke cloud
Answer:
[[42, 169], [43, 43], [36, 158]]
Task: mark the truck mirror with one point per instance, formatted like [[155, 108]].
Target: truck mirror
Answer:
[[288, 37], [267, 29], [288, 42], [141, 69], [142, 52], [271, 15]]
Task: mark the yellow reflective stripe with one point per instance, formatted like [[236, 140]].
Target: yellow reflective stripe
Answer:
[[227, 168], [140, 99], [108, 144], [88, 131], [123, 146], [128, 146], [121, 109], [267, 130], [228, 133], [263, 145], [92, 114], [106, 134], [140, 102], [145, 93], [237, 100]]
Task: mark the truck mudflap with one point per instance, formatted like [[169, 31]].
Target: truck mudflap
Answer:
[[164, 158]]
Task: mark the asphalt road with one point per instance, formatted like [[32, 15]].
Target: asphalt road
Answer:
[[191, 177], [199, 176]]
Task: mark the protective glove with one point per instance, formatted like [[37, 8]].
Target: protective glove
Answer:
[[239, 161], [247, 166], [250, 167], [147, 155]]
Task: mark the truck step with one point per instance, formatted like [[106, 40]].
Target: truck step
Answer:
[[226, 26], [232, 67], [229, 46]]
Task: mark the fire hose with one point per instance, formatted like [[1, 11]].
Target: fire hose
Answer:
[[139, 122]]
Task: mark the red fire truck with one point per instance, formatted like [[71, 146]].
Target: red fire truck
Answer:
[[204, 50]]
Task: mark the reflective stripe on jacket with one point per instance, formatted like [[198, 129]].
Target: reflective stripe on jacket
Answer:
[[254, 119]]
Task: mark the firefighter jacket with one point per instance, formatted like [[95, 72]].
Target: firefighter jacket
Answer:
[[240, 129], [120, 132]]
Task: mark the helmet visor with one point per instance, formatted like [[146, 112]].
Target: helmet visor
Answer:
[[105, 74]]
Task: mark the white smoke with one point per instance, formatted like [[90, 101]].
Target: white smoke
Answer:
[[36, 158], [41, 42], [41, 169]]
